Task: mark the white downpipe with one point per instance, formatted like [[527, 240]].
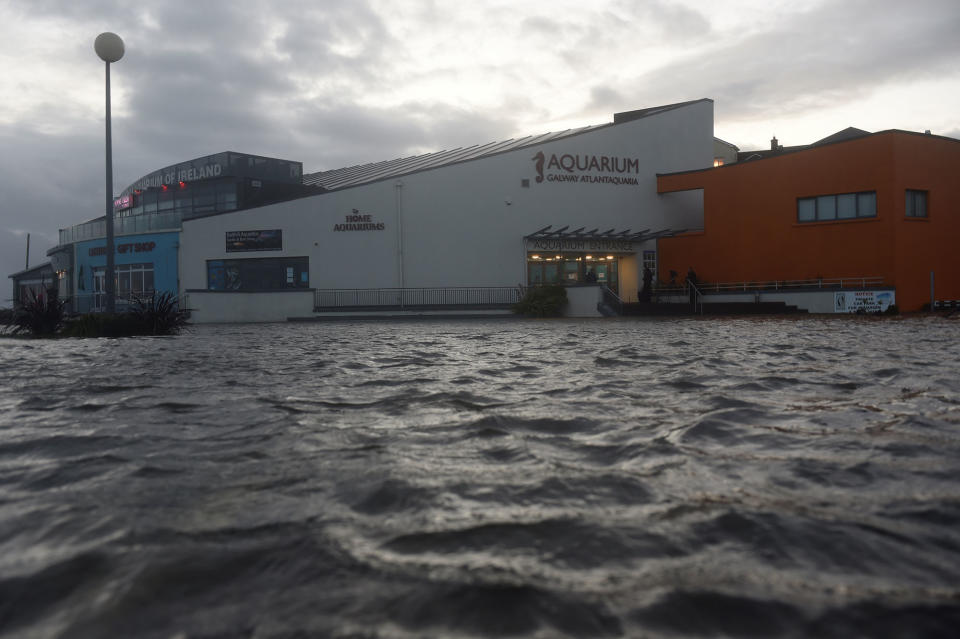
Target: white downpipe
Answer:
[[400, 276]]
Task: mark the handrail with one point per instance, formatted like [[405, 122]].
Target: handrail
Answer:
[[820, 282], [612, 298], [697, 297]]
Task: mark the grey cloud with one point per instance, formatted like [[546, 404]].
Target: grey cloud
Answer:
[[821, 58], [336, 135], [48, 182], [673, 21], [344, 37], [603, 98]]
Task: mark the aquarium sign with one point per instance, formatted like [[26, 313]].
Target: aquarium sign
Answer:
[[262, 240]]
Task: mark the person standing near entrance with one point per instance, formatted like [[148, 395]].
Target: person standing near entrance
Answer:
[[591, 276], [647, 284]]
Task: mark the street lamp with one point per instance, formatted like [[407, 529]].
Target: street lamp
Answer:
[[109, 47]]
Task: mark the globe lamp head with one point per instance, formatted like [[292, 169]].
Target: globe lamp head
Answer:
[[108, 46]]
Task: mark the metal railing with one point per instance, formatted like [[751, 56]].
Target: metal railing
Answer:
[[611, 299], [383, 298], [126, 225], [696, 297], [82, 303], [821, 282]]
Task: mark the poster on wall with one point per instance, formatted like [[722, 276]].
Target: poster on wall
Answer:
[[262, 240], [862, 301]]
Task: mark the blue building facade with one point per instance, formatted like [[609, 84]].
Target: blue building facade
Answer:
[[144, 263]]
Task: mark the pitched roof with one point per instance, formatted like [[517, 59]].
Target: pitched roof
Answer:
[[376, 171], [848, 133]]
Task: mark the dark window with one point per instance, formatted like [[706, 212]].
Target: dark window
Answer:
[[258, 274], [916, 203], [843, 206]]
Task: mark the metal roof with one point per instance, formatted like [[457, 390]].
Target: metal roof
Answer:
[[363, 173], [595, 234]]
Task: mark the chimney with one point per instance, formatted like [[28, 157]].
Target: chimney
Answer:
[[773, 144]]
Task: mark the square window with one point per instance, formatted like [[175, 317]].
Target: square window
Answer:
[[806, 209], [846, 206]]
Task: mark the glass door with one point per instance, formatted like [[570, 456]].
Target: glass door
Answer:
[[99, 289]]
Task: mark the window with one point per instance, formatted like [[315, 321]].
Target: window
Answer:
[[650, 262], [844, 206], [130, 280], [916, 203], [258, 274]]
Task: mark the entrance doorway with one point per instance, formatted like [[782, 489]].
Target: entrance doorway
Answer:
[[573, 268]]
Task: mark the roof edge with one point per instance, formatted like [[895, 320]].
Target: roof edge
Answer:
[[804, 149]]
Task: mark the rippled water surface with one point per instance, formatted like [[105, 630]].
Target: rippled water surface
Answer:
[[485, 478]]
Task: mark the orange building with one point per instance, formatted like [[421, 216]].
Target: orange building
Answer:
[[884, 205]]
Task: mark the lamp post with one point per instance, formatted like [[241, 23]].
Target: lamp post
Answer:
[[109, 47]]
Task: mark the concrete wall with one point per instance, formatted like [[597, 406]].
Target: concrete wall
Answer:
[[582, 301], [813, 301], [233, 306]]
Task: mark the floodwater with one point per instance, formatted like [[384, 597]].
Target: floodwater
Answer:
[[635, 478]]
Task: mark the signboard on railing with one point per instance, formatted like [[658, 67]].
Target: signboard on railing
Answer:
[[862, 301]]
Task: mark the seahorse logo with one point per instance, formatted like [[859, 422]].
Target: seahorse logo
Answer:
[[538, 158]]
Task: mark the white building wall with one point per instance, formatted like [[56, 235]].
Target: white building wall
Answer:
[[462, 225]]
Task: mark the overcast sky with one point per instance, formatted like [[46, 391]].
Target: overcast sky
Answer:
[[338, 82]]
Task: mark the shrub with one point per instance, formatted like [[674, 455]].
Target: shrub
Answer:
[[542, 301], [159, 314], [38, 315]]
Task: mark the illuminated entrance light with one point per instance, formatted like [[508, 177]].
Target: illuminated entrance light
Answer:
[[535, 257], [589, 257], [183, 184], [164, 187], [609, 257], [558, 257]]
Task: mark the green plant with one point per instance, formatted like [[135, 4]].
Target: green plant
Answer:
[[38, 314], [159, 314], [542, 301]]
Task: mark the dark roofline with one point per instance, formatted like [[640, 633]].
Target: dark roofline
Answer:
[[38, 267], [639, 114], [802, 149], [630, 116]]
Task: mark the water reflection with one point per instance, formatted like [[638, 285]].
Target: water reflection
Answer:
[[530, 478]]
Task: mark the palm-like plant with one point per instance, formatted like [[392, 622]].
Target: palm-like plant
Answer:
[[37, 314], [159, 314]]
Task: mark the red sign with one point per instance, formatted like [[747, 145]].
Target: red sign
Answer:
[[122, 203]]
